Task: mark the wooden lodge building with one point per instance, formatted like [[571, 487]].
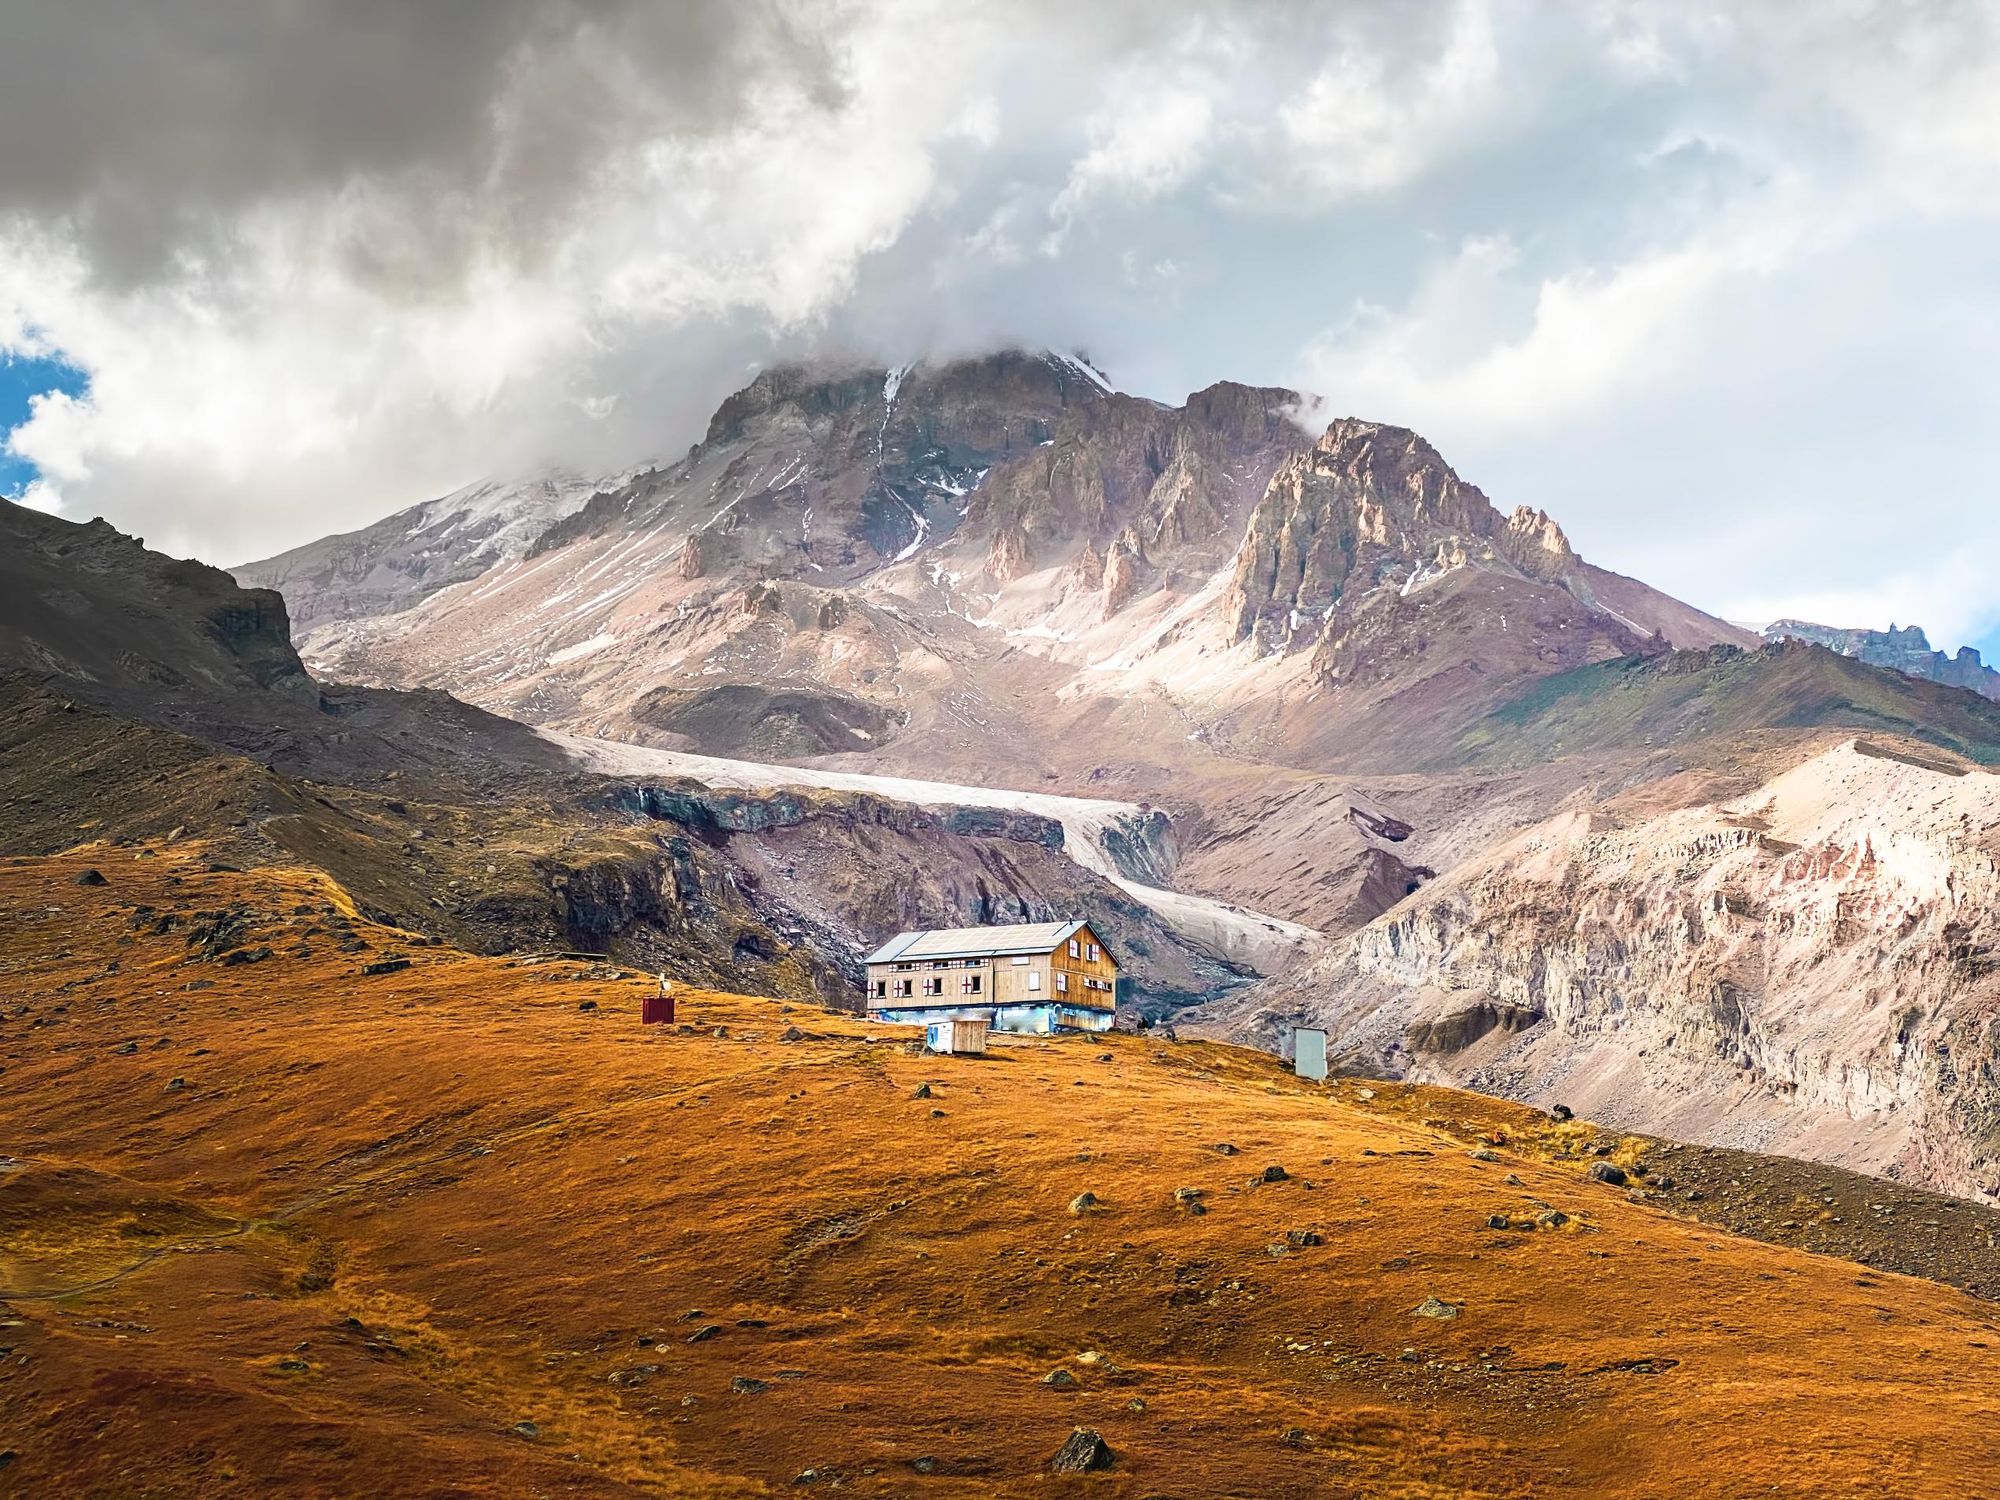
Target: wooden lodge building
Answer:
[[1036, 977]]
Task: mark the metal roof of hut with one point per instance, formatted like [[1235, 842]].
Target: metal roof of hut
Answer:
[[975, 942]]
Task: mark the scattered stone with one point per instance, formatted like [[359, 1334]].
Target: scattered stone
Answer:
[[748, 1385], [1085, 1451], [1551, 1218], [1270, 1174], [1482, 1154], [1137, 1403], [1432, 1307], [1294, 1437], [1090, 1357], [528, 1430], [586, 1005], [1499, 1221], [92, 877], [937, 1114], [126, 1049], [791, 1034], [1561, 1112], [1059, 1379], [1512, 1179], [924, 1465], [293, 1366], [244, 956], [1104, 1057], [923, 1091], [1083, 1203], [704, 1333], [1223, 1148], [1364, 1094], [1602, 1148], [386, 966], [1411, 1356], [1604, 1171], [1300, 1239], [807, 1476], [175, 1085]]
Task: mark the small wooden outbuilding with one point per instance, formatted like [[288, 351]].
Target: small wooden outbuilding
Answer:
[[955, 1036]]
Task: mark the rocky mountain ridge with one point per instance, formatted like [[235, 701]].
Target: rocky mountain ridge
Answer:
[[881, 563], [404, 558], [1907, 650]]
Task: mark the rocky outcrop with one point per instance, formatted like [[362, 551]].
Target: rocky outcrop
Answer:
[[1907, 650], [1372, 507], [1169, 485]]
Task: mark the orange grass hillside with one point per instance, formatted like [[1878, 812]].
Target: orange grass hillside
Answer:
[[462, 1226]]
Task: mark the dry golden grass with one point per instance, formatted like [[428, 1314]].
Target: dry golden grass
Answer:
[[388, 1218]]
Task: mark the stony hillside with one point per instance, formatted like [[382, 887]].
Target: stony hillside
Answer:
[[1810, 965], [1722, 693], [275, 1222]]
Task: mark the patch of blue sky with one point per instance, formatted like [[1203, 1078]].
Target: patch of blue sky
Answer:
[[23, 377]]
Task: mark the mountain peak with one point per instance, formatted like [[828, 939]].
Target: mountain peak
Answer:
[[1016, 378]]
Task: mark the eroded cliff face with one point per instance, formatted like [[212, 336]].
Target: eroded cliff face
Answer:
[[1813, 967]]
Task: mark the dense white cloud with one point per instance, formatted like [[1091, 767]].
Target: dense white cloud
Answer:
[[1711, 282]]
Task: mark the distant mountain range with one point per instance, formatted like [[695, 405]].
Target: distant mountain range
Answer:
[[1904, 650]]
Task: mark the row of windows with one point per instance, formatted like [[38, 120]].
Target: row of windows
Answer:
[[969, 984], [1062, 983], [1080, 949], [933, 984]]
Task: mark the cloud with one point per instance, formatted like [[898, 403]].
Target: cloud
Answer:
[[1709, 281], [1362, 125], [1452, 356], [1141, 148]]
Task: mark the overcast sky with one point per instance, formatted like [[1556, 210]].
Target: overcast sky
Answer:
[[1715, 285]]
